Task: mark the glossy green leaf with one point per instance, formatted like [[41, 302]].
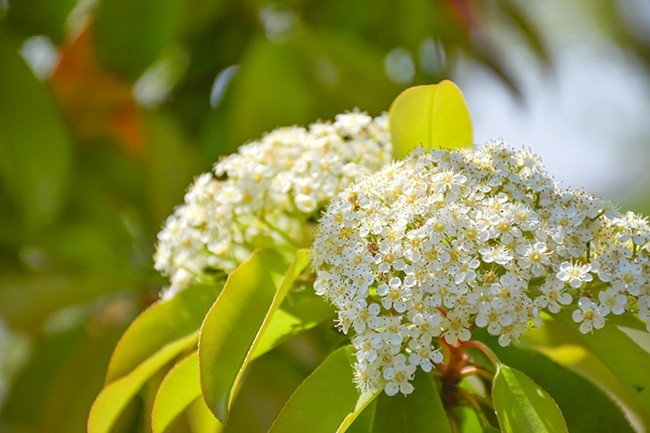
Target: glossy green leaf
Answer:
[[35, 149], [112, 400], [161, 324], [291, 320], [201, 419], [585, 407], [523, 406], [283, 325], [177, 391], [419, 412], [433, 116], [623, 357], [327, 401], [145, 28], [237, 320], [563, 343]]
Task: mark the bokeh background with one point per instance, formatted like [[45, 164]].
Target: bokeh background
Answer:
[[108, 108]]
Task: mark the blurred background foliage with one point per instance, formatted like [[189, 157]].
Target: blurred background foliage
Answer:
[[108, 108]]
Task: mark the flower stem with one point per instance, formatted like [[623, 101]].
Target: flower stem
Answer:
[[475, 344], [472, 369], [472, 401]]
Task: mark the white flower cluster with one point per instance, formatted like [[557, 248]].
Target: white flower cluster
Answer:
[[446, 241], [269, 193]]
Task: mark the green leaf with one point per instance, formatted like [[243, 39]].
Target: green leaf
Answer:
[[433, 116], [284, 324], [563, 343], [35, 149], [164, 323], [177, 391], [237, 320], [327, 401], [201, 419], [131, 34], [585, 407], [112, 400], [522, 405], [291, 320], [622, 356], [419, 412]]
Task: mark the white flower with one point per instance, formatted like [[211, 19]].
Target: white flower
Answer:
[[265, 195], [398, 376], [423, 355], [456, 324], [450, 241], [589, 316], [611, 300], [574, 273], [366, 376], [448, 181], [553, 295], [535, 256], [500, 255], [394, 294]]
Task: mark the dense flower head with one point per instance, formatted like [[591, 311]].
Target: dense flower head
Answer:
[[267, 194], [432, 247]]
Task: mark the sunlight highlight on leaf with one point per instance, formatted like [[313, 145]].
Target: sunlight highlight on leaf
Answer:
[[433, 116]]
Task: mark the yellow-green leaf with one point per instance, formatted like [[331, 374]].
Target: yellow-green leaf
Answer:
[[291, 320], [433, 116], [179, 388], [236, 322], [112, 400], [201, 420], [327, 401], [523, 406], [163, 323]]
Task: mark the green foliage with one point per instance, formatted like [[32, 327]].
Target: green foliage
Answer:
[[180, 388], [330, 393], [35, 159], [88, 175], [585, 407], [165, 322], [112, 400], [420, 412], [522, 405], [152, 26], [156, 337], [294, 317], [237, 320], [40, 17], [434, 117], [609, 357]]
